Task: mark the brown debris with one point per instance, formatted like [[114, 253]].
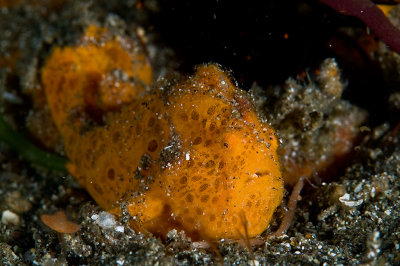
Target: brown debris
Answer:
[[59, 222]]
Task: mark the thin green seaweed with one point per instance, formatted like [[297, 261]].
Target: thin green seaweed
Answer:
[[29, 151]]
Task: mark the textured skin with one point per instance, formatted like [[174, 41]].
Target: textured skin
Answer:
[[226, 171], [196, 158]]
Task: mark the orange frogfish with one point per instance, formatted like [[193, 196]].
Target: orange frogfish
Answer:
[[195, 157]]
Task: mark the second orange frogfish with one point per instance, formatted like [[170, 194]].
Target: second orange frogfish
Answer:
[[194, 158]]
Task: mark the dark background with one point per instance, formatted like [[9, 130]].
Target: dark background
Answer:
[[248, 37]]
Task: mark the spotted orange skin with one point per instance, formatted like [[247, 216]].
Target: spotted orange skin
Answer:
[[102, 73], [227, 172], [197, 159]]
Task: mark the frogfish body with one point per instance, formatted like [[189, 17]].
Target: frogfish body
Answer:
[[195, 158]]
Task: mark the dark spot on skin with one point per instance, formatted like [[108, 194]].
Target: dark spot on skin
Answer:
[[196, 178], [204, 198], [210, 164], [195, 115], [211, 110], [152, 146], [111, 174], [184, 117], [221, 165], [203, 187], [199, 211], [216, 184], [226, 145], [235, 168], [259, 174], [211, 172], [208, 143], [212, 126], [214, 200], [203, 123], [197, 141], [189, 197], [183, 180]]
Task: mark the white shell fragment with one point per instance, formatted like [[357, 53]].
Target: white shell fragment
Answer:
[[8, 217], [345, 199], [106, 220]]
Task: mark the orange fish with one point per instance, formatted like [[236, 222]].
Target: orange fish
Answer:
[[195, 158]]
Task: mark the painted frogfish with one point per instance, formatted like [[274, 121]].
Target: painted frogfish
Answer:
[[194, 157]]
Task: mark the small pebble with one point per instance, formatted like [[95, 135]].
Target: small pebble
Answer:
[[105, 220], [8, 217]]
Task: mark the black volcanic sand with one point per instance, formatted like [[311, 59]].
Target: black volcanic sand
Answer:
[[352, 219]]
